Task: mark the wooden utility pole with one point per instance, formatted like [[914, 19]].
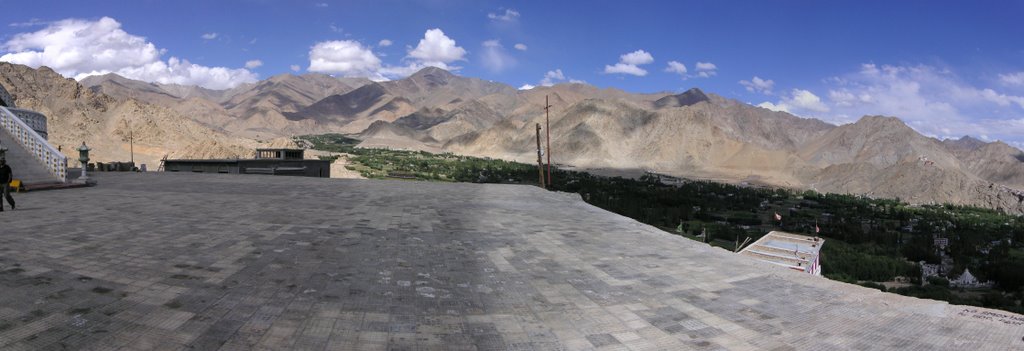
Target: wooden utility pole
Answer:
[[131, 140], [540, 161], [547, 119]]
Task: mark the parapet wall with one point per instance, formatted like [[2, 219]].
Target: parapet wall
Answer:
[[35, 120]]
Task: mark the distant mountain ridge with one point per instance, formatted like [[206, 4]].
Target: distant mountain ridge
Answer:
[[690, 134]]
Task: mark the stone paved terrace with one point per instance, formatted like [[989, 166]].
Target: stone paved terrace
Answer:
[[206, 262]]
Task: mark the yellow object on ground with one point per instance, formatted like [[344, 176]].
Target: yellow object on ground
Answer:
[[16, 185]]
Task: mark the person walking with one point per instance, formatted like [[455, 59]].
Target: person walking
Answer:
[[6, 177]]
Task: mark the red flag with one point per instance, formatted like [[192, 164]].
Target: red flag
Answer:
[[778, 217]]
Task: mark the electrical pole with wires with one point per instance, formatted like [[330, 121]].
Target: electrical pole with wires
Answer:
[[547, 119], [540, 161]]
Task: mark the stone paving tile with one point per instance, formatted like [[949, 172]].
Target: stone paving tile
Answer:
[[207, 262]]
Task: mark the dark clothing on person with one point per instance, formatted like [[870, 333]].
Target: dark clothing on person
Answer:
[[6, 176]]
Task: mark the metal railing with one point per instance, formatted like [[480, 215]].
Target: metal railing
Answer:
[[55, 162]]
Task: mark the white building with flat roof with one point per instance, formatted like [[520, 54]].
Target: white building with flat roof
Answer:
[[794, 251]]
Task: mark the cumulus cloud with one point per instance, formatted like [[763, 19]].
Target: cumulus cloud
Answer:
[[253, 64], [706, 69], [295, 68], [526, 87], [437, 49], [629, 63], [1012, 79], [552, 77], [798, 101], [81, 48], [208, 36], [520, 47], [676, 67], [348, 58], [509, 15], [758, 85], [769, 105], [806, 100], [384, 43], [494, 58]]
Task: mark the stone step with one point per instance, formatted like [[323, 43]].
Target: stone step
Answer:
[[23, 164]]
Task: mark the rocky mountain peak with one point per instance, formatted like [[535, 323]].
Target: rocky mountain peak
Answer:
[[433, 76], [687, 98], [966, 143]]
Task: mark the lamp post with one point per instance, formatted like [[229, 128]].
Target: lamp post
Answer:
[[83, 157]]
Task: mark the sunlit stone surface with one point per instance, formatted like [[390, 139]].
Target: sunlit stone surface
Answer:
[[183, 261]]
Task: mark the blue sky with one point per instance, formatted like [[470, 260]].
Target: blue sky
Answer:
[[947, 68]]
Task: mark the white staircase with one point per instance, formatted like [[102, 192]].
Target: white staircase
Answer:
[[32, 159]]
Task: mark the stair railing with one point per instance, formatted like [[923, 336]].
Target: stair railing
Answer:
[[55, 162]]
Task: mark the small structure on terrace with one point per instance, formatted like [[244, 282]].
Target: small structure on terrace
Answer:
[[289, 162], [794, 251]]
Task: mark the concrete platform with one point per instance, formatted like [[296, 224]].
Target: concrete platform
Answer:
[[230, 262]]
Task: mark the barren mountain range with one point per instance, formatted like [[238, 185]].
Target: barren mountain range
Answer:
[[693, 134]]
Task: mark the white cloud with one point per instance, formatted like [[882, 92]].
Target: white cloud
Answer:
[[804, 99], [842, 97], [80, 48], [437, 49], [768, 105], [706, 69], [253, 64], [348, 58], [676, 67], [209, 36], [629, 63], [295, 68], [508, 16], [798, 101], [552, 77], [758, 85], [623, 68], [321, 4], [494, 58], [351, 58], [638, 57], [384, 43], [520, 47], [1012, 79]]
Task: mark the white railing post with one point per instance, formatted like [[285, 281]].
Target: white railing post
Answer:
[[55, 162]]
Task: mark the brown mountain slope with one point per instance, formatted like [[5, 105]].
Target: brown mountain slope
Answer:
[[434, 87], [998, 163], [876, 140], [77, 114]]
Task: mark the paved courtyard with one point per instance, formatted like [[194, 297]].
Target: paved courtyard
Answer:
[[229, 262]]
